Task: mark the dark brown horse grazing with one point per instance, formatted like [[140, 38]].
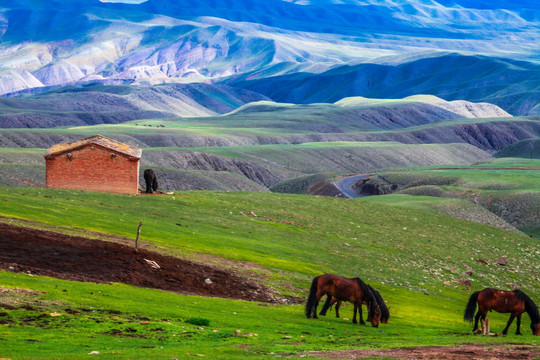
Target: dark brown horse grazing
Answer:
[[385, 313], [151, 181], [514, 302], [345, 289]]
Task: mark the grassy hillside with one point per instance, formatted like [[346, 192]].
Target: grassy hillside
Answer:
[[509, 188], [529, 149], [414, 120], [458, 208], [287, 239], [347, 157], [256, 167], [217, 223]]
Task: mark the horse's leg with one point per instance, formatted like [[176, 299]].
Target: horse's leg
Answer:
[[148, 181], [518, 332], [315, 304], [326, 305], [354, 314], [512, 316], [337, 308], [362, 322], [476, 318]]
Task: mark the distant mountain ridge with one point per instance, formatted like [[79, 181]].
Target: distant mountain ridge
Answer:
[[107, 104], [413, 120], [513, 85], [60, 42]]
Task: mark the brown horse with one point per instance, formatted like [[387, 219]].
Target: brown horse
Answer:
[[345, 289], [514, 302], [151, 181], [385, 313]]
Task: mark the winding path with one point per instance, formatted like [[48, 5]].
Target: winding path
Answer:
[[345, 185]]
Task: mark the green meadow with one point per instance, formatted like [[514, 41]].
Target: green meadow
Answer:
[[506, 187], [413, 257], [414, 246]]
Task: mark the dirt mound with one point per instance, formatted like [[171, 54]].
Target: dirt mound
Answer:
[[75, 258], [325, 188]]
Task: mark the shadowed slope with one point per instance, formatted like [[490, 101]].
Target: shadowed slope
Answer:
[[96, 104], [512, 85]]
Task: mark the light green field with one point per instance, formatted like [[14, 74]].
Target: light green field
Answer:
[[413, 257], [462, 121], [507, 187], [350, 116]]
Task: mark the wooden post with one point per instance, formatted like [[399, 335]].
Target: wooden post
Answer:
[[137, 238]]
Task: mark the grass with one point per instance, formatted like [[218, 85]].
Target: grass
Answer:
[[283, 236], [455, 207], [408, 255], [507, 187], [117, 321], [529, 149], [464, 121], [266, 164], [345, 156], [350, 116]]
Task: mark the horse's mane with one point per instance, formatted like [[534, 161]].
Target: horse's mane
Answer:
[[385, 313], [530, 306], [367, 295]]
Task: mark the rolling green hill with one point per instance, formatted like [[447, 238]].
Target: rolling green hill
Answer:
[[508, 188], [529, 148], [256, 167], [413, 120], [414, 258]]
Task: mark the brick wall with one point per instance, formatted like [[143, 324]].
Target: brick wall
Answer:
[[93, 168]]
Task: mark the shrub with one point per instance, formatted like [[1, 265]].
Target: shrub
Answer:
[[198, 321]]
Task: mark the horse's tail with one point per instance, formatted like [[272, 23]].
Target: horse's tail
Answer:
[[385, 313], [367, 295], [530, 306], [312, 297], [471, 307]]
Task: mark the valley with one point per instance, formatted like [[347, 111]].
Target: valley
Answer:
[[265, 146], [394, 141]]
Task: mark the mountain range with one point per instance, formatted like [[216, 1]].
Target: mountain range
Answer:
[[255, 44]]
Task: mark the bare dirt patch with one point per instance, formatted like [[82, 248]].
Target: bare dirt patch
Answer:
[[77, 258], [466, 352], [4, 291]]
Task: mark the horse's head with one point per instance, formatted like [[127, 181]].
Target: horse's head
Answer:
[[375, 316], [535, 329]]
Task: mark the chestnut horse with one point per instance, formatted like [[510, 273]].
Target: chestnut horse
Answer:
[[344, 289], [385, 313], [514, 302]]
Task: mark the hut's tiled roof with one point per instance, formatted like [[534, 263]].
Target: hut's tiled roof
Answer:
[[98, 140]]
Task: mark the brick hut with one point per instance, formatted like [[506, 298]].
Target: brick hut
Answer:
[[95, 163]]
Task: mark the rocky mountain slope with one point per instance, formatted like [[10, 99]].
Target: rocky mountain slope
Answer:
[[96, 104], [413, 120], [512, 85], [59, 42]]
